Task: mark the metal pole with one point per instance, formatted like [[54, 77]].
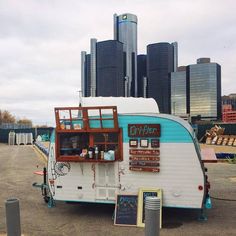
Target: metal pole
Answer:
[[126, 86], [45, 181], [152, 216], [13, 217]]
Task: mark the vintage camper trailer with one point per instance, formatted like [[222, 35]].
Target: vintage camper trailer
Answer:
[[109, 146]]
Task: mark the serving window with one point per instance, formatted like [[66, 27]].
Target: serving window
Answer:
[[88, 134]]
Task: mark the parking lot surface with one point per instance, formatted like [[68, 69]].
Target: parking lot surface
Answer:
[[16, 177]]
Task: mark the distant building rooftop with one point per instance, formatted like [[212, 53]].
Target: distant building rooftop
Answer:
[[203, 60], [181, 68]]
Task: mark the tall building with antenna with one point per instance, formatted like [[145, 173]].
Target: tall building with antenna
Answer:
[[125, 31]]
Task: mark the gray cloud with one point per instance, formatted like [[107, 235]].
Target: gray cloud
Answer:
[[41, 41]]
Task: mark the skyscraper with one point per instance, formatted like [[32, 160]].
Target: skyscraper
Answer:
[[110, 73], [125, 31], [85, 74], [161, 61], [102, 71], [179, 92], [142, 75], [204, 88]]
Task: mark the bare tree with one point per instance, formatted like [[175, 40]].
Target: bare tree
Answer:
[[25, 122], [6, 117]]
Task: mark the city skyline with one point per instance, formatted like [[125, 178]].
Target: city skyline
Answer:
[[40, 45]]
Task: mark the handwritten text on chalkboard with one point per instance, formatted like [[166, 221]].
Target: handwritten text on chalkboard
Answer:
[[126, 209]]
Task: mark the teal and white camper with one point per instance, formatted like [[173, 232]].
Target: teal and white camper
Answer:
[[110, 146]]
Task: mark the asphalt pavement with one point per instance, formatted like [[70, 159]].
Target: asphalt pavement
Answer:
[[16, 177]]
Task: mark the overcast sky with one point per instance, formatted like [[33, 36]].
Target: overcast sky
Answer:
[[41, 41]]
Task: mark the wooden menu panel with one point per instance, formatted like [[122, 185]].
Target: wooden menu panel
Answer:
[[146, 152], [146, 169], [143, 163], [138, 158], [155, 143]]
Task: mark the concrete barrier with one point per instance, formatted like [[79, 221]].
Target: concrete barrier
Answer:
[[152, 216], [13, 217]]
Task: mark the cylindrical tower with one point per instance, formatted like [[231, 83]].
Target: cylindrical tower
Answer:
[[160, 63], [125, 31]]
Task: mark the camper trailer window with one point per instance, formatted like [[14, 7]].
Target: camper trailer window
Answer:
[[89, 147], [88, 134], [71, 144], [108, 143], [106, 137]]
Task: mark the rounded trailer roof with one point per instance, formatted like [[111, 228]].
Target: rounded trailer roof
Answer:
[[124, 104]]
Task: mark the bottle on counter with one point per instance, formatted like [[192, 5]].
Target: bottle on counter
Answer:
[[90, 152], [102, 155], [96, 152]]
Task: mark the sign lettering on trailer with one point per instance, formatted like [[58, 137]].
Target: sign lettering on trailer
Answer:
[[148, 152], [144, 130], [143, 163], [137, 158], [147, 169]]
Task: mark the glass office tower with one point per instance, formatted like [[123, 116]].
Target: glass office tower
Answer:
[[179, 92], [125, 31], [160, 63], [204, 88], [142, 75], [110, 71], [85, 74], [102, 71]]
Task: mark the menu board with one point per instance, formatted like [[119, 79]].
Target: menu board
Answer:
[[144, 144], [143, 193], [126, 210]]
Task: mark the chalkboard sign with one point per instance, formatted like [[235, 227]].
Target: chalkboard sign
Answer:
[[143, 193], [126, 210]]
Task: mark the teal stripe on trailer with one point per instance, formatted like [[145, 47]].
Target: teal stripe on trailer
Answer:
[[171, 130], [52, 138]]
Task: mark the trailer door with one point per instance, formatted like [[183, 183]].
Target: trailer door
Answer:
[[106, 180]]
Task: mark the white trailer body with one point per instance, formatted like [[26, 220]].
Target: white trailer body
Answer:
[[181, 173]]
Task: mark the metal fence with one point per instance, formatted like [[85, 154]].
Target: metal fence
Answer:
[[35, 131], [14, 126]]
